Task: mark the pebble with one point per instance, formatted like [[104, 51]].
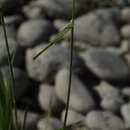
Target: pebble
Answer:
[[103, 119], [98, 28], [106, 90], [81, 99], [125, 111], [46, 66], [21, 81], [125, 14], [47, 98], [125, 31], [72, 118], [33, 32], [106, 65], [49, 124]]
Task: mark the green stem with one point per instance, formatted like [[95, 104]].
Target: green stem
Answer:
[[11, 69], [71, 63]]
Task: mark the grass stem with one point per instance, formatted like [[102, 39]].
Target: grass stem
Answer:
[[71, 64], [11, 69]]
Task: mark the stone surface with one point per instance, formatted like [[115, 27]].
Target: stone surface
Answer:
[[106, 90], [97, 27], [125, 111], [49, 124], [125, 31], [112, 104], [21, 80], [15, 51], [125, 46], [126, 91], [32, 32], [31, 121], [80, 98], [47, 98], [33, 12], [73, 117], [106, 65], [125, 14], [103, 119], [46, 65], [59, 8]]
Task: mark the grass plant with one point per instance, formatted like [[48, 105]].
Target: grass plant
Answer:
[[8, 111]]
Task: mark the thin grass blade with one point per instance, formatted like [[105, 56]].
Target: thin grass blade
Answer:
[[58, 38]]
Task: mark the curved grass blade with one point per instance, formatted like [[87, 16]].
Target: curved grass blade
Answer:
[[58, 38]]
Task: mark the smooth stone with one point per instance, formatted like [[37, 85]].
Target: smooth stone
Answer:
[[96, 27], [21, 80], [32, 32], [106, 65], [15, 50], [59, 8], [81, 99], [72, 118], [112, 104], [125, 31], [33, 12], [47, 98], [103, 119], [127, 58], [125, 46], [47, 64], [126, 91], [122, 3], [106, 90], [10, 32], [125, 14], [125, 112], [49, 124], [31, 120]]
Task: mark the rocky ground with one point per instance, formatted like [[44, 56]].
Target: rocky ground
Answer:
[[100, 94]]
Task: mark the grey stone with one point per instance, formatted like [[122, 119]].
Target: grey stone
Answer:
[[106, 65], [125, 31], [46, 65], [122, 3], [31, 120], [10, 31], [126, 91], [81, 99], [73, 117], [103, 119], [125, 14], [14, 50], [106, 90], [59, 8], [125, 111], [33, 32], [21, 80], [111, 99], [97, 27], [49, 124], [33, 12], [47, 98], [112, 104], [125, 46]]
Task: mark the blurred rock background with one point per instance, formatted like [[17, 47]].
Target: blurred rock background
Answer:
[[100, 95]]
